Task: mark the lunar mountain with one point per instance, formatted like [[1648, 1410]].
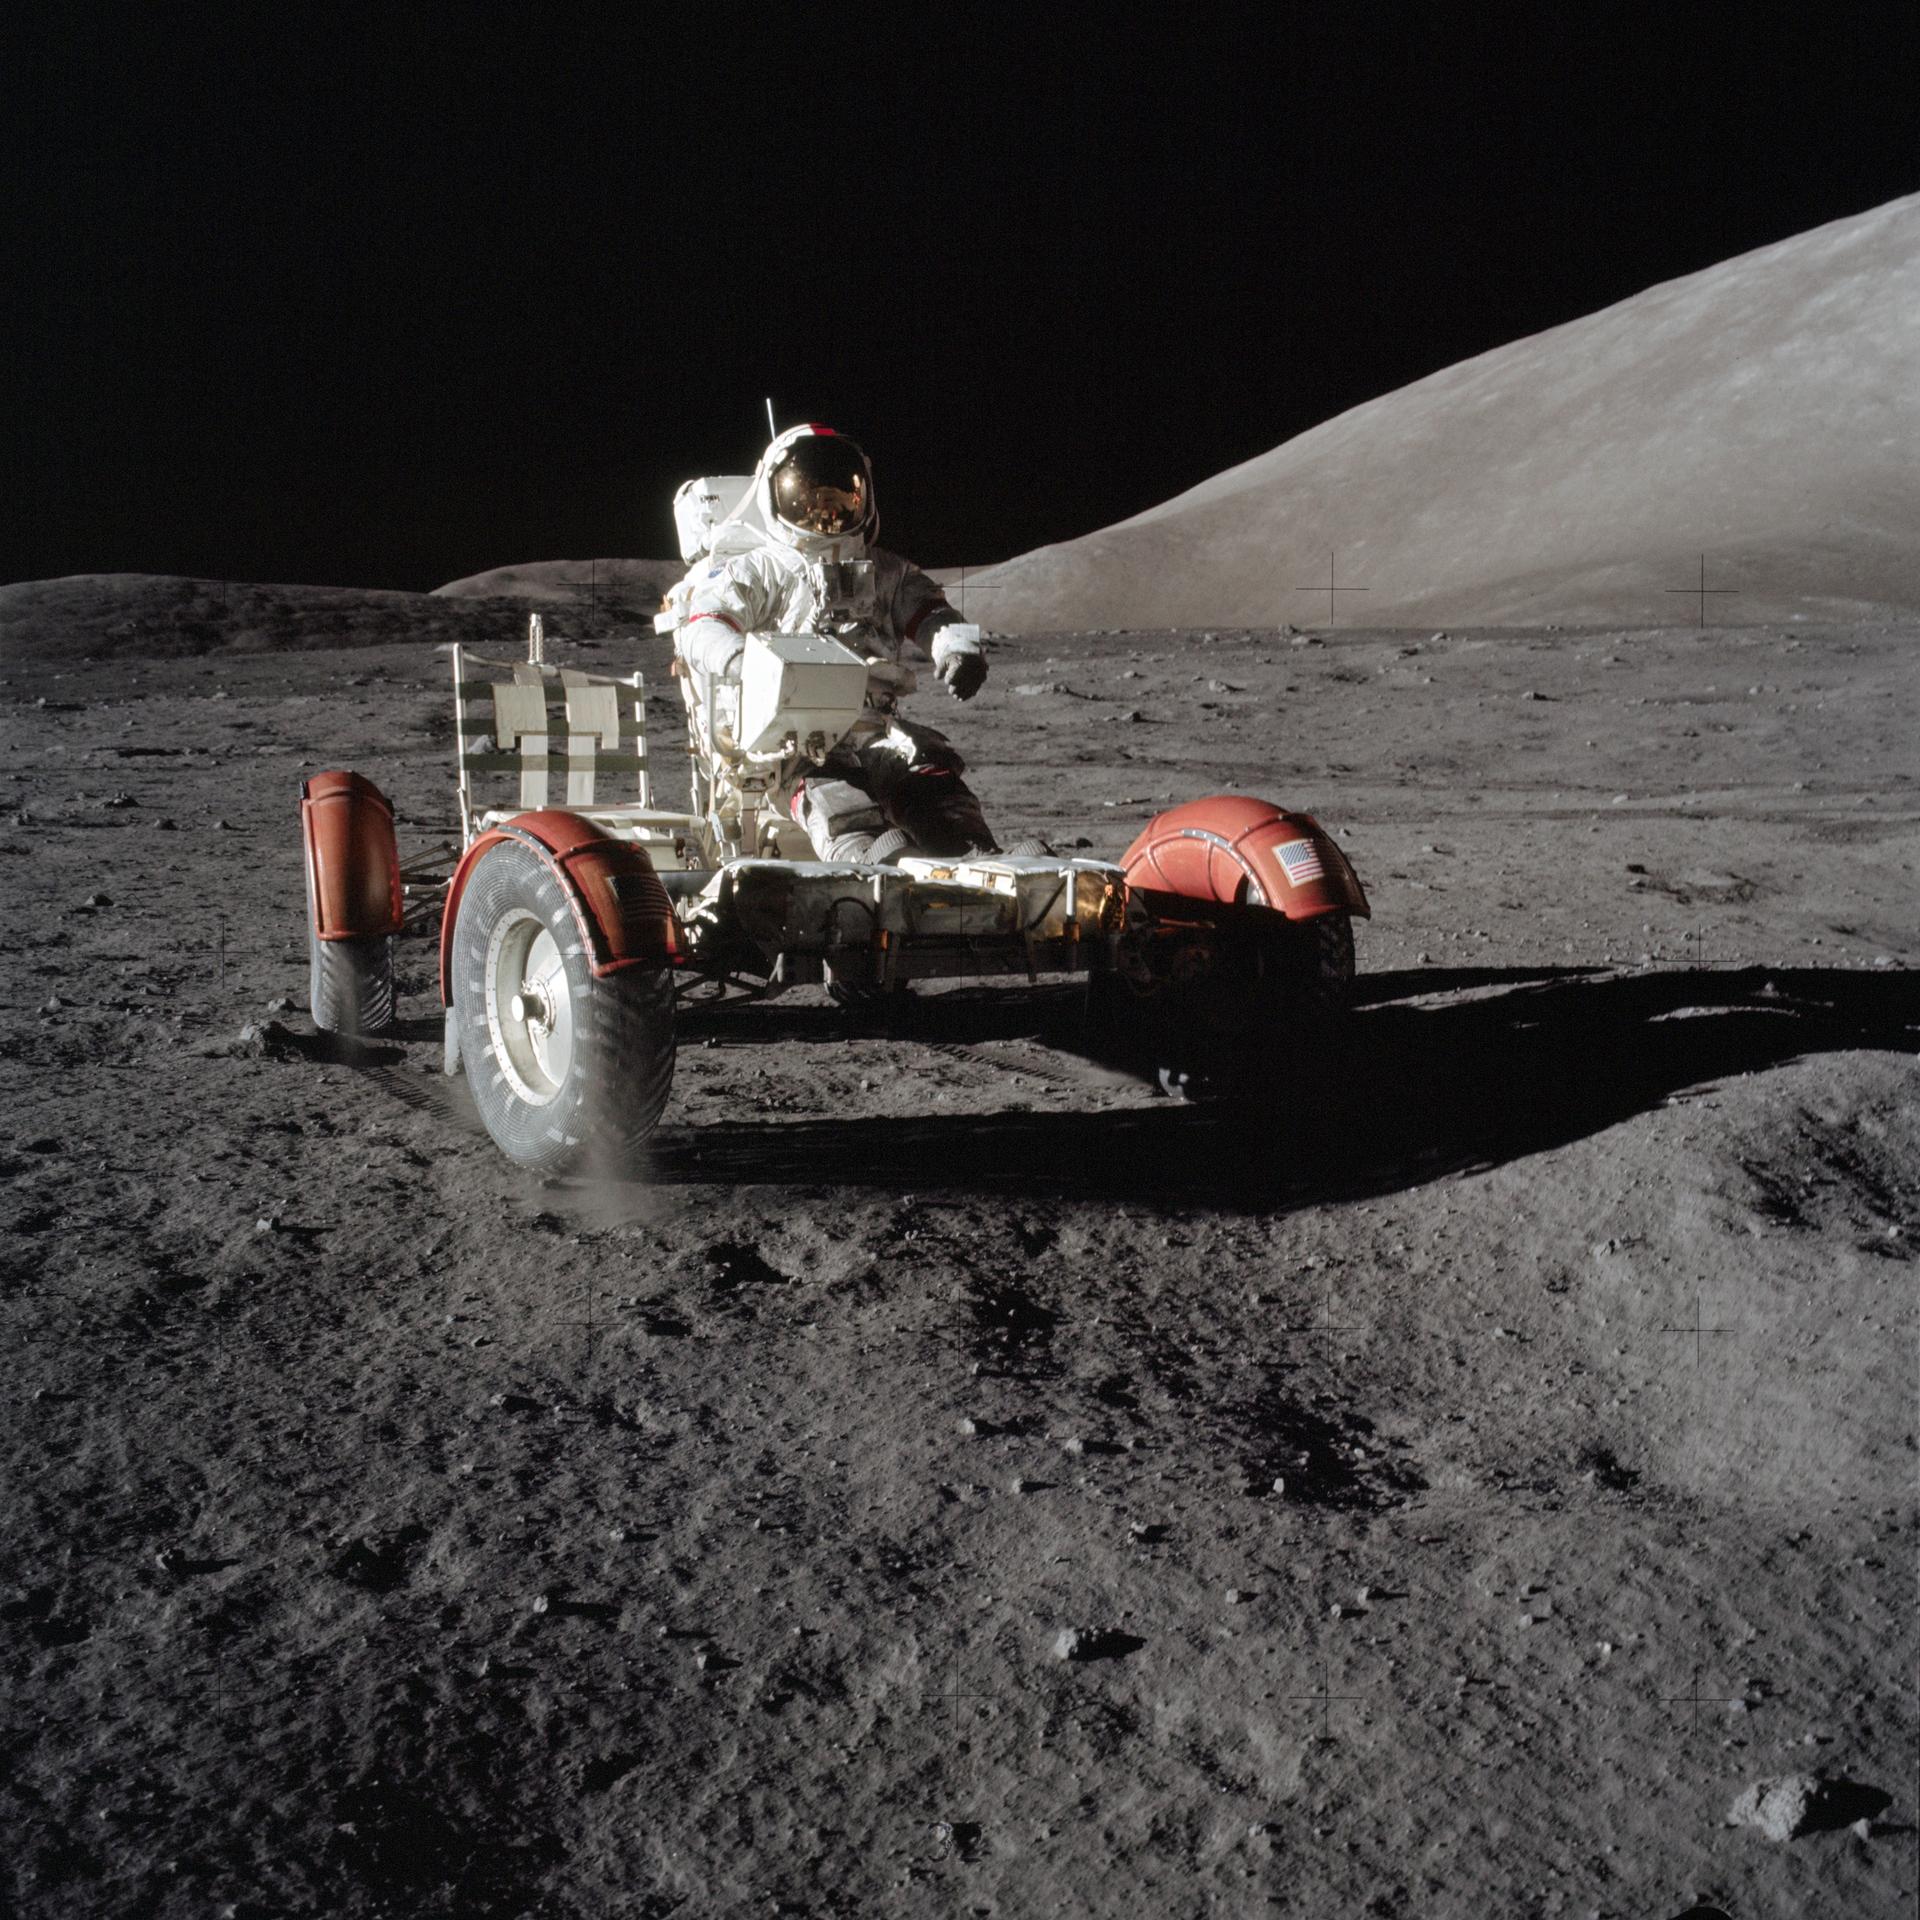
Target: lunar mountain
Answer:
[[1750, 428]]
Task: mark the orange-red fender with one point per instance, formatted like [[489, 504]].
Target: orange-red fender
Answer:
[[1233, 848], [353, 858], [622, 910]]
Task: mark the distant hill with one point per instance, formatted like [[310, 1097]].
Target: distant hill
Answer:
[[161, 616], [609, 589], [1764, 413]]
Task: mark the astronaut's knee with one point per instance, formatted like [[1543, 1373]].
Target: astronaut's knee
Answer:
[[839, 818]]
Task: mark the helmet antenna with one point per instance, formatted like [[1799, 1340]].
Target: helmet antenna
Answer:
[[773, 432]]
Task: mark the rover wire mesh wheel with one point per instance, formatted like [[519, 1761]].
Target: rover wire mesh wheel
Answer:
[[1262, 1012], [570, 1073], [349, 982], [1326, 961]]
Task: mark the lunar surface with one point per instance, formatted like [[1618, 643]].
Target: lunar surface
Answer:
[[959, 1480], [1749, 429]]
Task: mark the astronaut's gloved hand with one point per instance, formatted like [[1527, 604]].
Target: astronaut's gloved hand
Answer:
[[964, 674], [959, 658]]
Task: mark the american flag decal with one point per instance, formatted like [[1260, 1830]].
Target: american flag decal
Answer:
[[1301, 861]]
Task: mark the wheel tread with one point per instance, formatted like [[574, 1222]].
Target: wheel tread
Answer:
[[622, 1069]]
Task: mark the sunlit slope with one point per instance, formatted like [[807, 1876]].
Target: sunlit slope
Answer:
[[1763, 414]]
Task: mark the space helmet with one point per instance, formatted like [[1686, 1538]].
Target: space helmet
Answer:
[[816, 491]]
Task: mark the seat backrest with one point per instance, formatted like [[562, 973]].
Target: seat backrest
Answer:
[[562, 737]]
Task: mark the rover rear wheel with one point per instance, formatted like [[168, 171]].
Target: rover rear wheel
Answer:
[[570, 1072], [349, 982]]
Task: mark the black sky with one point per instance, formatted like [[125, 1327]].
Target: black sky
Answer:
[[385, 298]]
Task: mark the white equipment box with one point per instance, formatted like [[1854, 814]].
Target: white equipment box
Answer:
[[798, 685]]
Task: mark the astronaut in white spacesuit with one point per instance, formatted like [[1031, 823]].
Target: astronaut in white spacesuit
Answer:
[[798, 555]]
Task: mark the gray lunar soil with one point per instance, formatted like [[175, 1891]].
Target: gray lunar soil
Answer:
[[959, 1480]]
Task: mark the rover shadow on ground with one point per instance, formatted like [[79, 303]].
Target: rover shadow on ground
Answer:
[[1511, 1062]]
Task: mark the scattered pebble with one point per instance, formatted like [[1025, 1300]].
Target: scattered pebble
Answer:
[[1069, 1644], [257, 1040]]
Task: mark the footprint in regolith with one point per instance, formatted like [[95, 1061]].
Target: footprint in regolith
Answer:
[[733, 1266], [1100, 1644], [379, 1564], [604, 1773], [1012, 1333], [1598, 1464]]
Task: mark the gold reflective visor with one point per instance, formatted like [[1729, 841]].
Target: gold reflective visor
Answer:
[[818, 504]]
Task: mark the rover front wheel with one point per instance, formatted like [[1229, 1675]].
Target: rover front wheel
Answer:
[[570, 1072], [1324, 950]]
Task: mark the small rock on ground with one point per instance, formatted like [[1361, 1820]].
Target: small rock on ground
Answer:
[[1782, 1808]]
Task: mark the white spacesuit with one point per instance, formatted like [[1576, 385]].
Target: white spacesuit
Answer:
[[796, 554]]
